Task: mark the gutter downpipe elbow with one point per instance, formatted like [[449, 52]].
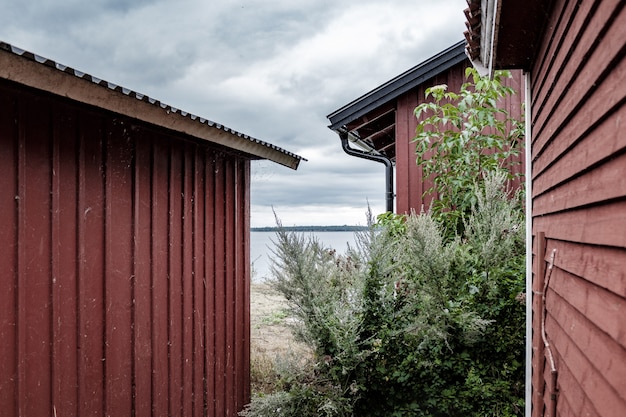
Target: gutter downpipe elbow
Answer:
[[389, 195]]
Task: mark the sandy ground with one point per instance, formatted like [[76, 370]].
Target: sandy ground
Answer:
[[271, 337], [269, 318]]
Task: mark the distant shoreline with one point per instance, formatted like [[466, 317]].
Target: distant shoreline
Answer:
[[343, 228]]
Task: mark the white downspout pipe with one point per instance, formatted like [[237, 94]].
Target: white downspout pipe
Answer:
[[529, 242]]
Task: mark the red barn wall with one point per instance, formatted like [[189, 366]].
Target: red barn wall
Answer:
[[124, 273], [579, 209], [410, 182]]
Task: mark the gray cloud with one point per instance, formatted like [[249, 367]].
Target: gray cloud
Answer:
[[270, 69]]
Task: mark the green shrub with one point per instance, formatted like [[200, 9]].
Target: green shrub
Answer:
[[423, 317], [408, 323]]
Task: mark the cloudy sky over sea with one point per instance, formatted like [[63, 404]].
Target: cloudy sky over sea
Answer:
[[272, 69]]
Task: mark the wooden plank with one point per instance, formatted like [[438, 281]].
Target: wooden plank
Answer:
[[34, 260], [602, 183], [591, 97], [142, 286], [230, 278], [374, 120], [187, 279], [244, 203], [221, 344], [417, 183], [160, 271], [175, 279], [239, 285], [603, 354], [199, 299], [242, 275], [211, 379], [594, 225], [600, 394], [8, 257], [64, 268], [598, 305], [606, 102], [175, 294], [553, 52], [403, 155], [572, 396], [600, 266], [538, 355], [581, 47], [90, 269], [602, 131], [373, 115], [118, 270]]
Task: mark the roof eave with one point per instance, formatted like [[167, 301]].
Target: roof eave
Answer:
[[507, 34], [46, 75], [397, 86]]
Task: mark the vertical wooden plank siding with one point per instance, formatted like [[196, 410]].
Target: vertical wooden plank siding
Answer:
[[242, 302], [229, 287], [142, 281], [34, 260], [410, 182], [160, 248], [64, 268], [90, 228], [8, 260], [211, 380], [219, 291], [119, 228], [199, 286], [125, 270], [579, 202]]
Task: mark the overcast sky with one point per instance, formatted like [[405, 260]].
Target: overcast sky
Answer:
[[272, 69]]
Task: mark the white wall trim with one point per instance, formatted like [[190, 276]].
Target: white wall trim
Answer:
[[529, 242]]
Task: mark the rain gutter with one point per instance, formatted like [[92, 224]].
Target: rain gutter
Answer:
[[345, 144]]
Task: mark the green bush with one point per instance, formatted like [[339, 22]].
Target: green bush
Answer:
[[424, 317], [408, 323]]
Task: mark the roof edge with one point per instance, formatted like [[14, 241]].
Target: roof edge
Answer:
[[398, 85], [504, 35], [44, 74]]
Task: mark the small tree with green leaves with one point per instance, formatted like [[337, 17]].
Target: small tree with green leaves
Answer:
[[462, 137]]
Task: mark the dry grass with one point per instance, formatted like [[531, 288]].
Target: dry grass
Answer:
[[271, 338]]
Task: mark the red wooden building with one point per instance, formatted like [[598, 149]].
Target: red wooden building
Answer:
[[381, 124], [124, 273], [573, 53]]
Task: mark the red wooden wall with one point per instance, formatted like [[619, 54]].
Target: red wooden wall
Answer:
[[579, 210], [124, 273], [410, 183]]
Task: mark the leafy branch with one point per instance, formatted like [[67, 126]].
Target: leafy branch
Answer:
[[460, 138]]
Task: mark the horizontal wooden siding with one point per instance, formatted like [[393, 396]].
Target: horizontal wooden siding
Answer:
[[579, 203]]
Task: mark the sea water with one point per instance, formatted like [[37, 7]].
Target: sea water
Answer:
[[262, 246]]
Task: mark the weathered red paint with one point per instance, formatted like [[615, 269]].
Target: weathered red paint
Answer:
[[125, 270], [578, 169]]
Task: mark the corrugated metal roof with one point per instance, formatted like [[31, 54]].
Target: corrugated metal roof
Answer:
[[246, 143], [398, 86]]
